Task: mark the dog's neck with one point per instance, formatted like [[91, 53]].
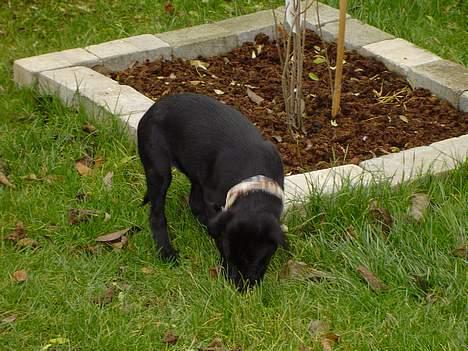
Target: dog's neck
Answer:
[[253, 184]]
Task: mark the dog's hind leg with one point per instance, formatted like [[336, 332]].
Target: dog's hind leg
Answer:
[[197, 203], [157, 165]]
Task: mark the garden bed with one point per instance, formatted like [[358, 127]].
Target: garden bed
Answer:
[[380, 112]]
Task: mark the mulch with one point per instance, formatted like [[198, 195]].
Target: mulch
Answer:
[[380, 112]]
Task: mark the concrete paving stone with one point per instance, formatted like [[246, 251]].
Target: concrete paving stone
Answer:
[[248, 26], [204, 40], [358, 34], [327, 14], [26, 70], [454, 148], [131, 121], [67, 82], [398, 54], [299, 186], [82, 85], [408, 164], [120, 54], [463, 103], [443, 78]]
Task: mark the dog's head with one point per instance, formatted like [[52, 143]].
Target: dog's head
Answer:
[[246, 244]]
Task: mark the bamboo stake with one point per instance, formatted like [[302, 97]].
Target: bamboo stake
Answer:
[[339, 59]]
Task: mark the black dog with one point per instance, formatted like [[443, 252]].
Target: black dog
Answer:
[[236, 179]]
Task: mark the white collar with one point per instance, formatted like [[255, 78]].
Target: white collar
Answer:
[[255, 183]]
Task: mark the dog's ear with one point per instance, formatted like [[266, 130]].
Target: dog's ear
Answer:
[[217, 225]]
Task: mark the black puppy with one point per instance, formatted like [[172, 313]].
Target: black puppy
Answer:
[[236, 179]]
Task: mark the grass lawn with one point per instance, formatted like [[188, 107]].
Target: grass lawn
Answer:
[[79, 296]]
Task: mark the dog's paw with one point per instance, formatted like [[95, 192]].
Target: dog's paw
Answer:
[[169, 255]]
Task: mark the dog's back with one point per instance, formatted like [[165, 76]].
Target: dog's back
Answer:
[[206, 137]]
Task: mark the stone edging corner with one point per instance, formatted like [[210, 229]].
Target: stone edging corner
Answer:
[[69, 74]]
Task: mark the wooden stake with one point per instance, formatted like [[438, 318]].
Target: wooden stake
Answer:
[[339, 59]]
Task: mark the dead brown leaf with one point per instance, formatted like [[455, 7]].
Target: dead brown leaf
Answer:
[[5, 181], [113, 237], [168, 7], [214, 272], [461, 251], [9, 319], [78, 215], [18, 234], [170, 338], [147, 270], [375, 283], [277, 138], [30, 176], [107, 180], [88, 128], [20, 276], [27, 242], [419, 204], [318, 327], [302, 270], [119, 244], [215, 345], [254, 97], [381, 215], [83, 167], [106, 297], [200, 64]]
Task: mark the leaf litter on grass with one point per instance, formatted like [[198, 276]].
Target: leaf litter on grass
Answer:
[[381, 215], [20, 276], [374, 282], [419, 204], [302, 271]]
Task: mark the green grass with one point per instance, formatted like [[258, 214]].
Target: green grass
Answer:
[[439, 26], [38, 135]]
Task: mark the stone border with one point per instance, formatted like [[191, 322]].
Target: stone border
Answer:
[[70, 75]]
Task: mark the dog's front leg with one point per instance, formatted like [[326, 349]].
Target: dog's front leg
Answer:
[[160, 233]]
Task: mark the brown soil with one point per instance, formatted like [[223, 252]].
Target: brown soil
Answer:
[[380, 113]]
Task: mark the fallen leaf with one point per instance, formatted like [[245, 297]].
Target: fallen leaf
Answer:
[[4, 180], [107, 217], [317, 48], [98, 162], [88, 128], [214, 272], [319, 59], [333, 123], [107, 180], [106, 297], [253, 54], [78, 215], [170, 338], [200, 64], [277, 138], [301, 270], [461, 251], [20, 276], [313, 76], [403, 118], [30, 176], [381, 215], [254, 97], [119, 244], [9, 319], [169, 8], [83, 168], [375, 283], [219, 92], [113, 237], [172, 76], [215, 345], [27, 242], [318, 327], [147, 270], [18, 234], [195, 82], [419, 204]]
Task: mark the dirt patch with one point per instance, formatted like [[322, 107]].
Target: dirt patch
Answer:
[[380, 113]]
